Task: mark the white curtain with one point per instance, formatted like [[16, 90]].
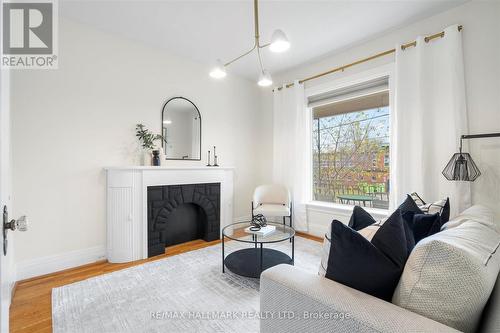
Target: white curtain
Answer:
[[428, 118], [292, 148]]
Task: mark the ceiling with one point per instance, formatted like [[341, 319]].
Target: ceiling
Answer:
[[206, 30]]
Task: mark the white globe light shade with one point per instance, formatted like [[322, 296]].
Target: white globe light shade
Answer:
[[219, 71], [279, 42], [265, 79]]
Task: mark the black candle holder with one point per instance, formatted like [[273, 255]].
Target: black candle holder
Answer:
[[215, 159], [208, 162]]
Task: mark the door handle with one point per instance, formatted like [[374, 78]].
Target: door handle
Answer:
[[20, 224]]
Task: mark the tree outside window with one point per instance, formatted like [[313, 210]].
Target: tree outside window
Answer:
[[351, 156]]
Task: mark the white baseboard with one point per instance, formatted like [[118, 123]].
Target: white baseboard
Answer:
[[50, 264]]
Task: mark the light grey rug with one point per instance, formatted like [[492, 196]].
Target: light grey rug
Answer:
[[183, 293]]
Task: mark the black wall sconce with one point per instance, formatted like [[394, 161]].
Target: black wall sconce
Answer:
[[461, 165]]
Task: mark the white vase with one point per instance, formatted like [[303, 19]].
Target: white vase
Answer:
[[163, 157]]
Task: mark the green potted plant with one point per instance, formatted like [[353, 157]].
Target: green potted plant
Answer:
[[147, 140]]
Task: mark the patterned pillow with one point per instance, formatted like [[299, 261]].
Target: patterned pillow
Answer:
[[441, 206], [417, 199]]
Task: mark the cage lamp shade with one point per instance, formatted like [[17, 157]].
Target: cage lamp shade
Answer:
[[461, 167]]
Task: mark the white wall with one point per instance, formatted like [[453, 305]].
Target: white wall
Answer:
[[481, 41], [70, 123]]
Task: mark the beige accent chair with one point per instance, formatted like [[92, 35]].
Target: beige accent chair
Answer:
[[272, 200]]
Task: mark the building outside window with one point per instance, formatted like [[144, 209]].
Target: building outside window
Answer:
[[351, 145]]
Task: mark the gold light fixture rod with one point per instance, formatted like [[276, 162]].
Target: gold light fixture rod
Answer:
[[257, 39]]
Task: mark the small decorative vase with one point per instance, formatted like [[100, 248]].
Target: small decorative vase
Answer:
[[156, 158], [163, 157], [146, 158]]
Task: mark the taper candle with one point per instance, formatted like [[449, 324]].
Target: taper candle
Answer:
[[215, 158], [208, 162]]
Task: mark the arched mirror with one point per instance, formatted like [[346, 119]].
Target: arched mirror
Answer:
[[181, 128]]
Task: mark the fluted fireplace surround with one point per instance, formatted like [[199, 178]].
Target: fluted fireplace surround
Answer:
[[201, 197]]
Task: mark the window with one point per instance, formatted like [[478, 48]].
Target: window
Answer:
[[350, 131]]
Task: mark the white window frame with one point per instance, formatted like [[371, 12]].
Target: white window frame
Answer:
[[386, 70]]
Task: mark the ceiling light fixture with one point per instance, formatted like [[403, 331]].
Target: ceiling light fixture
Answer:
[[265, 79], [218, 72], [279, 43]]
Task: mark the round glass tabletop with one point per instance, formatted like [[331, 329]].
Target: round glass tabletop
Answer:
[[236, 231]]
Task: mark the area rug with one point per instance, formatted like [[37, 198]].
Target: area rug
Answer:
[[183, 293]]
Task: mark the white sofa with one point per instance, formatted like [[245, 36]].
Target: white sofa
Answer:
[[446, 282]]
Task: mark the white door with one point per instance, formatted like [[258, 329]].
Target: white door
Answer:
[[6, 265]]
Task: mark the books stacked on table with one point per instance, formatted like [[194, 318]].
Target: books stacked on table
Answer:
[[264, 231]]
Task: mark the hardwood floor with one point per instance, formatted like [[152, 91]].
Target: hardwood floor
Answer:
[[308, 236], [31, 308]]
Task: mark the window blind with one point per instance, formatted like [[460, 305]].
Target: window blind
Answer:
[[363, 96]]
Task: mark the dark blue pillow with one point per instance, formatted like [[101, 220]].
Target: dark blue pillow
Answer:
[[360, 219], [371, 267], [409, 208], [422, 225], [445, 215], [425, 225]]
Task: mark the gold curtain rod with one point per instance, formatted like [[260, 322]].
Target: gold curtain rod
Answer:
[[378, 55]]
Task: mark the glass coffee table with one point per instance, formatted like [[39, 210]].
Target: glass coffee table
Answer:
[[250, 262]]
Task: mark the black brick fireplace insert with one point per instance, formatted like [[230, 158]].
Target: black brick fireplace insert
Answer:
[[180, 213]]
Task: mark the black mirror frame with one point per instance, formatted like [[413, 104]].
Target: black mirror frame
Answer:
[[163, 143]]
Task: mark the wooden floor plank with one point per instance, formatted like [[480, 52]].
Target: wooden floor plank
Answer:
[[31, 308]]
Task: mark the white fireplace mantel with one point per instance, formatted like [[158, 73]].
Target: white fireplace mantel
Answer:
[[127, 220]]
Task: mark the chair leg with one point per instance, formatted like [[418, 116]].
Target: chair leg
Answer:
[[283, 220]]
